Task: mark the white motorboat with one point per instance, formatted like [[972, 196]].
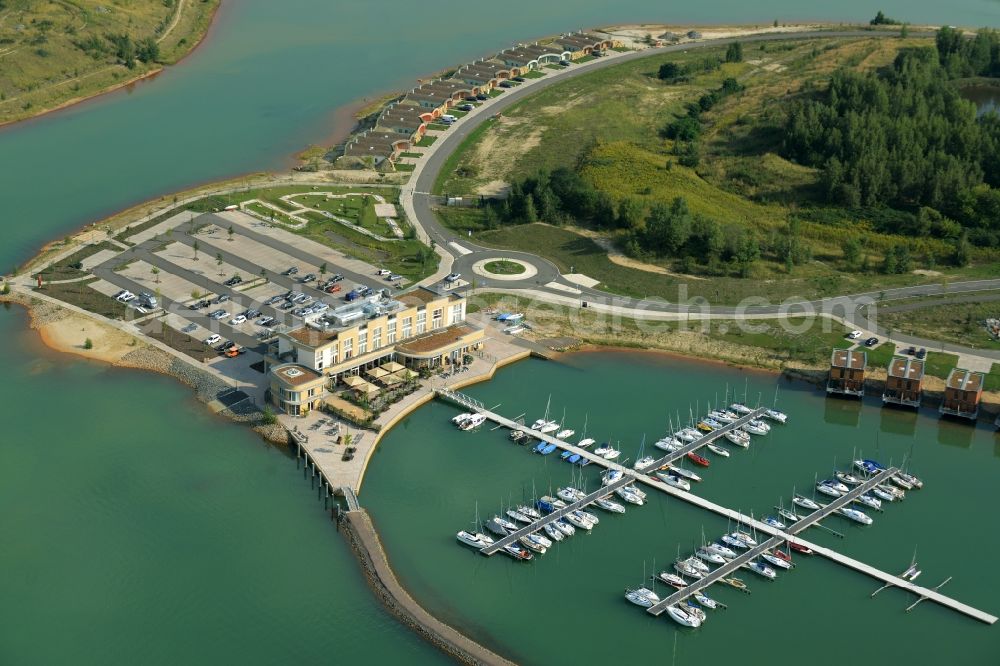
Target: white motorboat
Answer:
[[722, 417], [607, 451], [774, 522], [517, 435], [554, 501], [564, 527], [848, 478], [564, 434], [882, 493], [776, 561], [756, 427], [856, 515], [541, 423], [687, 435], [737, 437], [538, 538], [698, 564], [669, 445], [632, 489], [528, 511], [693, 609], [730, 540], [762, 569], [460, 418], [672, 579], [828, 490], [569, 494], [473, 421], [720, 550], [553, 532], [609, 505], [740, 408], [643, 463], [744, 537], [685, 569], [518, 516], [707, 555], [775, 415], [532, 542], [589, 515], [476, 540], [706, 600], [518, 553], [898, 493], [837, 485], [501, 526], [611, 476], [584, 443], [910, 479], [683, 617], [868, 500], [902, 483], [718, 450], [629, 496], [642, 597], [673, 480], [805, 503], [686, 473], [578, 521]]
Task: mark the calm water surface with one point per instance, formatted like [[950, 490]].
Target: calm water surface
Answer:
[[138, 529], [986, 98], [568, 606]]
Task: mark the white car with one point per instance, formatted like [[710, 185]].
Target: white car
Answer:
[[854, 335], [125, 297], [237, 320], [452, 277], [383, 272], [213, 339]]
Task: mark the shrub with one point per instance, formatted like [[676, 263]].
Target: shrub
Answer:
[[88, 344]]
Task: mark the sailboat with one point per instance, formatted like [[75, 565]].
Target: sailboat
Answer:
[[474, 539]]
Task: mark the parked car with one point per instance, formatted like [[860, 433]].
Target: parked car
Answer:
[[253, 314], [910, 351], [336, 277], [482, 98], [366, 292], [333, 289], [382, 272], [148, 300], [395, 277], [300, 312], [125, 296], [519, 79], [221, 298], [922, 353], [871, 342], [291, 271], [465, 107], [351, 296], [274, 299], [265, 321], [309, 277], [506, 84], [212, 339], [320, 308], [565, 63], [218, 314], [854, 335], [451, 277], [471, 98], [287, 305], [233, 281]]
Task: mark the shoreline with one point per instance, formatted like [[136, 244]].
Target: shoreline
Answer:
[[120, 85]]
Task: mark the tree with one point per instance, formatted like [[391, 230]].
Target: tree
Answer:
[[156, 273], [734, 52], [629, 215], [230, 231], [669, 70], [218, 262], [322, 268], [88, 344], [851, 248], [194, 246], [6, 289]]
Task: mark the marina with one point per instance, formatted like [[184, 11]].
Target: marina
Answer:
[[878, 476]]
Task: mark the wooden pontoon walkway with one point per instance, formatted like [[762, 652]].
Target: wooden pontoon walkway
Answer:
[[776, 536]]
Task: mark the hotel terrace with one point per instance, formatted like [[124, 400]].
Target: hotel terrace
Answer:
[[403, 124], [419, 329]]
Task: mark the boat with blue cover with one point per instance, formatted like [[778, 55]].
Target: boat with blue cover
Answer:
[[575, 458], [549, 448]]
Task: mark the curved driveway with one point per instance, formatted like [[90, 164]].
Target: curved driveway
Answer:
[[849, 308]]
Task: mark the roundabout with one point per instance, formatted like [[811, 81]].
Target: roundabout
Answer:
[[502, 268]]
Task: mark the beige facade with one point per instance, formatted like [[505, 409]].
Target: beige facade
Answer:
[[336, 352], [296, 389]]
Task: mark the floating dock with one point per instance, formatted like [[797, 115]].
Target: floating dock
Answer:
[[776, 536]]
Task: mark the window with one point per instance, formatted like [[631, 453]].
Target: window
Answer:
[[311, 392], [391, 334], [456, 313], [407, 327], [376, 338], [362, 342], [348, 348], [436, 320]]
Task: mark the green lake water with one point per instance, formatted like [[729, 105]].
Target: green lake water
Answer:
[[568, 605], [138, 529]]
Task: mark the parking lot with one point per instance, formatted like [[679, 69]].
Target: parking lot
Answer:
[[191, 285]]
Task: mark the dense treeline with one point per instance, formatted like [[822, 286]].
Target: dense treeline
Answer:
[[904, 138], [122, 47]]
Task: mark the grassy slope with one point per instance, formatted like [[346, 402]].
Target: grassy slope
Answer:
[[616, 113], [959, 323], [41, 68]]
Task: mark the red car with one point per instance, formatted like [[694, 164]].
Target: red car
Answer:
[[333, 289]]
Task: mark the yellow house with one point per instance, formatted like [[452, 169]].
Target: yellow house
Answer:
[[296, 389], [420, 328]]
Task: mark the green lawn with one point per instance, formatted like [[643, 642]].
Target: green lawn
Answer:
[[534, 74], [503, 267], [413, 155], [438, 127], [992, 382], [426, 140], [957, 323], [938, 364], [270, 214], [65, 269], [402, 166], [81, 295], [809, 340], [881, 355]]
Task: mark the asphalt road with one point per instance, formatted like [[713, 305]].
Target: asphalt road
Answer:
[[851, 307]]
